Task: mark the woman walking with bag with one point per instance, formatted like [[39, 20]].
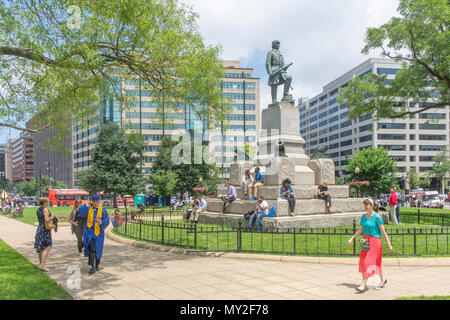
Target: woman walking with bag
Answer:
[[78, 224], [43, 239], [372, 228]]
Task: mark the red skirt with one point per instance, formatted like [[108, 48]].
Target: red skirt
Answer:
[[370, 260]]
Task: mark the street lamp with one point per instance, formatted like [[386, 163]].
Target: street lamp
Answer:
[[357, 171]]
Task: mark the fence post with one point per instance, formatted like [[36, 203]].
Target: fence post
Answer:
[[415, 243], [294, 242], [195, 236], [162, 229], [354, 242], [140, 228], [238, 234], [418, 216], [126, 222], [442, 219]]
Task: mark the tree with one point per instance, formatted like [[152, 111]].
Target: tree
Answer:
[[57, 58], [376, 166], [418, 39], [188, 174], [115, 163], [415, 181], [441, 167], [164, 183]]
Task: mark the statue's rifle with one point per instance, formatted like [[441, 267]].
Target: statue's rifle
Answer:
[[282, 69]]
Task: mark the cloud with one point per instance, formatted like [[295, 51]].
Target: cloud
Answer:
[[322, 38]]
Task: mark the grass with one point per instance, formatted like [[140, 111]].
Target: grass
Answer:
[[316, 242], [425, 298], [30, 217], [21, 280]]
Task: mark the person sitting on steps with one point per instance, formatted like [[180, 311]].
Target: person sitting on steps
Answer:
[[322, 193], [259, 182], [229, 197]]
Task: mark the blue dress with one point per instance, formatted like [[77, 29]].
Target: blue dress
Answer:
[[43, 237], [88, 233]]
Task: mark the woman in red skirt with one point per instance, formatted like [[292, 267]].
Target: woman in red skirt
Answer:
[[372, 228]]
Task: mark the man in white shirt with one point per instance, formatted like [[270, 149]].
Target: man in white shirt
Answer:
[[262, 210], [202, 207]]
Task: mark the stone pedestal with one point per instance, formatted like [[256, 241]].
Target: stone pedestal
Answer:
[[280, 146]]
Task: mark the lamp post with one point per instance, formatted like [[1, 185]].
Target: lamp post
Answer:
[[357, 171]]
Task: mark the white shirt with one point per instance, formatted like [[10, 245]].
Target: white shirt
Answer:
[[203, 205], [248, 181], [263, 204]]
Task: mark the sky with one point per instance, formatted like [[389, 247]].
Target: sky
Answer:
[[323, 38]]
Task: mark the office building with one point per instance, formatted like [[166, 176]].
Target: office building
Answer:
[[141, 114], [412, 142], [56, 163], [22, 158]]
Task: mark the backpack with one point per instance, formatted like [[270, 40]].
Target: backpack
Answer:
[[272, 212]]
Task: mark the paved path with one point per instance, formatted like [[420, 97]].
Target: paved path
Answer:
[[135, 273]]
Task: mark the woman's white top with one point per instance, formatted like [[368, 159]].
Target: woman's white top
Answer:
[[248, 181]]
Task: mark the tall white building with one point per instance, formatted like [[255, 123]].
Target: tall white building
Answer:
[[412, 142]]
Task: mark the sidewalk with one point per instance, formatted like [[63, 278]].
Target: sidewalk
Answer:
[[135, 273]]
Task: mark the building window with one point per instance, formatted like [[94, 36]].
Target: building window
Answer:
[[432, 116], [412, 126], [365, 117], [346, 133], [346, 124], [391, 126], [365, 139], [426, 158], [412, 148], [412, 137], [394, 147], [432, 137], [346, 143], [432, 126], [365, 128], [391, 136], [387, 70], [412, 158], [430, 148]]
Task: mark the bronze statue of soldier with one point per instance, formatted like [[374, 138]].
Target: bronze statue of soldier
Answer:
[[277, 73]]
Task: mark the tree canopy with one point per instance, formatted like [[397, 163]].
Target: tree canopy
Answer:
[[376, 166], [115, 163], [441, 167], [57, 56], [419, 39], [194, 173]]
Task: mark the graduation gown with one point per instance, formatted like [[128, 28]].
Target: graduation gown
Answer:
[[88, 233]]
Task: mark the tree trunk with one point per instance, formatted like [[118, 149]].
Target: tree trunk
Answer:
[[115, 201]]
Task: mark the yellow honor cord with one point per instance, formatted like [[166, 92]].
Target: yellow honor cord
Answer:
[[90, 219]]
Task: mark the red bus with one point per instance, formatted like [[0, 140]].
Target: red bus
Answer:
[[67, 197]]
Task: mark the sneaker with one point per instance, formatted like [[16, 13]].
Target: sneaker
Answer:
[[45, 269]]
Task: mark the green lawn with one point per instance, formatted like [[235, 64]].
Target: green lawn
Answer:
[[317, 242], [29, 213], [21, 280], [425, 298], [413, 209]]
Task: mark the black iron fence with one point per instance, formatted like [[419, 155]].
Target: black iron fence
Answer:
[[169, 229]]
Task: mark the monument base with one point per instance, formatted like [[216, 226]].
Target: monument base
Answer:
[[284, 223]]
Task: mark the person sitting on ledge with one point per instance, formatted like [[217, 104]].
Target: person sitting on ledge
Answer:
[[247, 180], [259, 182], [229, 197], [322, 193], [287, 193], [262, 210]]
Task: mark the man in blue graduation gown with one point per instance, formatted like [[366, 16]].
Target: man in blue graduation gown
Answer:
[[97, 220]]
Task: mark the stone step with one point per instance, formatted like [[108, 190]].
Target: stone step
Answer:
[[302, 207], [300, 192], [283, 223]]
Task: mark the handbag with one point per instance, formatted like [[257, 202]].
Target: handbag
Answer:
[[49, 225], [365, 244]]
